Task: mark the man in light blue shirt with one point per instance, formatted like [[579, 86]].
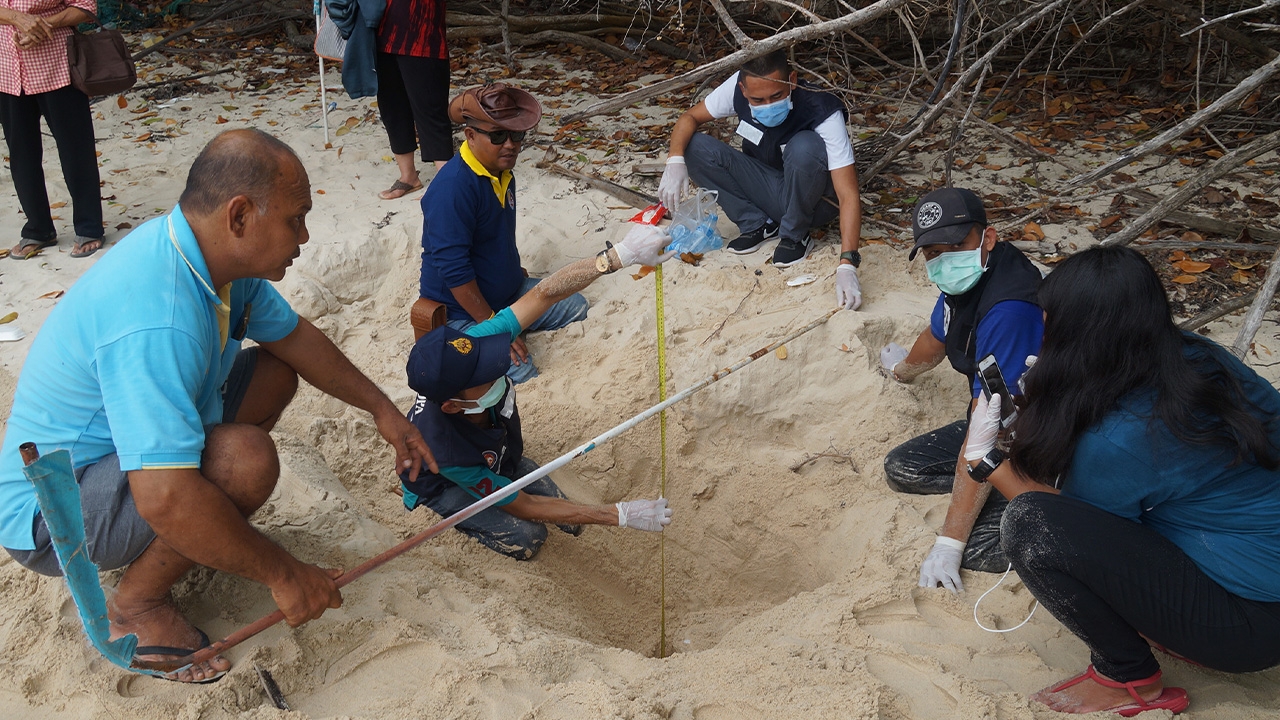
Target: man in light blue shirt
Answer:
[[138, 372]]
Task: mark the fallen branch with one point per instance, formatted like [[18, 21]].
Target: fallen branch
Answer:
[[734, 60], [572, 38], [1225, 246], [230, 8], [1236, 94], [1253, 319], [1222, 32], [627, 195], [738, 36], [1220, 167], [1216, 312]]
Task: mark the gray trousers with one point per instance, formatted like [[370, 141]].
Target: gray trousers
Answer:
[[753, 193]]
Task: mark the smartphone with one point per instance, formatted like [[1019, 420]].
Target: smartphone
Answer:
[[992, 381]]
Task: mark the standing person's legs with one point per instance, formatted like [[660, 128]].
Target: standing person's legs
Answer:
[[750, 192], [427, 87], [396, 113], [66, 111], [1113, 583], [926, 465], [20, 119]]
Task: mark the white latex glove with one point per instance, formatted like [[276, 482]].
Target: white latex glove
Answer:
[[643, 246], [942, 566], [674, 183], [984, 426], [848, 291], [890, 356], [651, 515]]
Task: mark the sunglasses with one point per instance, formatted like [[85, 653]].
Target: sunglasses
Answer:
[[500, 137]]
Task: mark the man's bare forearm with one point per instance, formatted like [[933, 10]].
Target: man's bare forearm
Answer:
[[562, 283], [473, 301], [967, 499], [318, 361]]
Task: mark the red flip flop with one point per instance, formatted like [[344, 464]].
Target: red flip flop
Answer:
[[1172, 699]]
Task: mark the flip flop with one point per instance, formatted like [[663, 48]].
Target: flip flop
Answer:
[[1173, 699], [79, 252], [28, 248], [180, 652], [401, 187]]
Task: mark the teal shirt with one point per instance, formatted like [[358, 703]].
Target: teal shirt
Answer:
[[1225, 518], [132, 361]]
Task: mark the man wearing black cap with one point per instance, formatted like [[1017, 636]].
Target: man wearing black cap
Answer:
[[987, 307], [466, 409], [470, 261]]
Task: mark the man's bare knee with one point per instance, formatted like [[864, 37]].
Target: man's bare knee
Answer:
[[241, 459]]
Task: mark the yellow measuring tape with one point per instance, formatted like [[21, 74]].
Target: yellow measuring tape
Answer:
[[662, 481]]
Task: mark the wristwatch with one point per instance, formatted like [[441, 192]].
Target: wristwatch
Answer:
[[986, 466], [602, 262], [853, 256]]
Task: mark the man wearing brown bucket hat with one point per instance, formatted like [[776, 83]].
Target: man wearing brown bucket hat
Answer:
[[470, 262]]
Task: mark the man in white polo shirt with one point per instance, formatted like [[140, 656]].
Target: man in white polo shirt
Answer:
[[138, 372], [795, 170]]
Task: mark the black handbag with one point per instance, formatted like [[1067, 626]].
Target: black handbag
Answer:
[[100, 62]]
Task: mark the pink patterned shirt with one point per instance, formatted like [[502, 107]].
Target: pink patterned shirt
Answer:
[[44, 67]]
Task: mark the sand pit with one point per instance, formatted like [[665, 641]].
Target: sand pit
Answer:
[[790, 593]]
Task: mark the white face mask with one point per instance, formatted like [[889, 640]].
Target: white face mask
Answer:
[[488, 400]]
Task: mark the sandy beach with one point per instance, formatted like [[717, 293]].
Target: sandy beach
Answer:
[[790, 585]]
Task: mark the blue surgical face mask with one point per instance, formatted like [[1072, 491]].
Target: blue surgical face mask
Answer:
[[488, 399], [772, 114], [956, 272]]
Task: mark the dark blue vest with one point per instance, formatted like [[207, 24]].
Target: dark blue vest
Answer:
[[1009, 276], [457, 442], [809, 109]]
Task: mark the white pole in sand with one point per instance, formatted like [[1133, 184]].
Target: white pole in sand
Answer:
[[263, 623], [324, 101]]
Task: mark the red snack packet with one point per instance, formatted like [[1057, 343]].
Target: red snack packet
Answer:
[[651, 215]]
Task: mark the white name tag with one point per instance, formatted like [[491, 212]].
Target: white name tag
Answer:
[[750, 133]]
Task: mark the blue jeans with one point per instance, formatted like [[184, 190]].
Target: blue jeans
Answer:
[[571, 309], [494, 527]]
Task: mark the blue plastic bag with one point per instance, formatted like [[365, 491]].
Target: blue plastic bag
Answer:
[[693, 227]]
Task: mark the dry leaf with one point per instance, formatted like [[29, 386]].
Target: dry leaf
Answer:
[[1241, 277], [691, 258], [1108, 222], [121, 102], [1192, 237], [143, 137], [1192, 267], [57, 205], [1243, 265], [220, 120], [52, 295], [124, 226], [644, 270], [229, 108], [342, 130], [8, 318], [1185, 279], [319, 192], [1032, 231], [4, 253], [781, 352], [1177, 255]]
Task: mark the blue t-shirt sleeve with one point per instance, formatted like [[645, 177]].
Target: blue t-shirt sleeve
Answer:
[[1011, 330], [149, 382], [937, 320], [504, 322], [479, 481], [271, 318], [449, 223]]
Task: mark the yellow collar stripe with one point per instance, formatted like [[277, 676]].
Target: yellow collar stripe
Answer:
[[499, 185]]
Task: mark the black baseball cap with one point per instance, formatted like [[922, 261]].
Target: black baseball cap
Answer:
[[444, 362], [944, 217]]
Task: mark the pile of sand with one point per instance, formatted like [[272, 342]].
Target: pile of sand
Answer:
[[791, 585]]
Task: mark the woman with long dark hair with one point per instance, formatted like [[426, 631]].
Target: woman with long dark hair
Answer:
[[1143, 485]]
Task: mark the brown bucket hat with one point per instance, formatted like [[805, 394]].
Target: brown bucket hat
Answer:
[[509, 108]]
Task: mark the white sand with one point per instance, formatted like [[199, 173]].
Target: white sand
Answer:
[[789, 594]]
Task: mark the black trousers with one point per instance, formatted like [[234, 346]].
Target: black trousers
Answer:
[[66, 111], [1112, 581], [413, 101], [926, 465]]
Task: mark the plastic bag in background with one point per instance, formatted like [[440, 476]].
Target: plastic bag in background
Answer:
[[693, 226]]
